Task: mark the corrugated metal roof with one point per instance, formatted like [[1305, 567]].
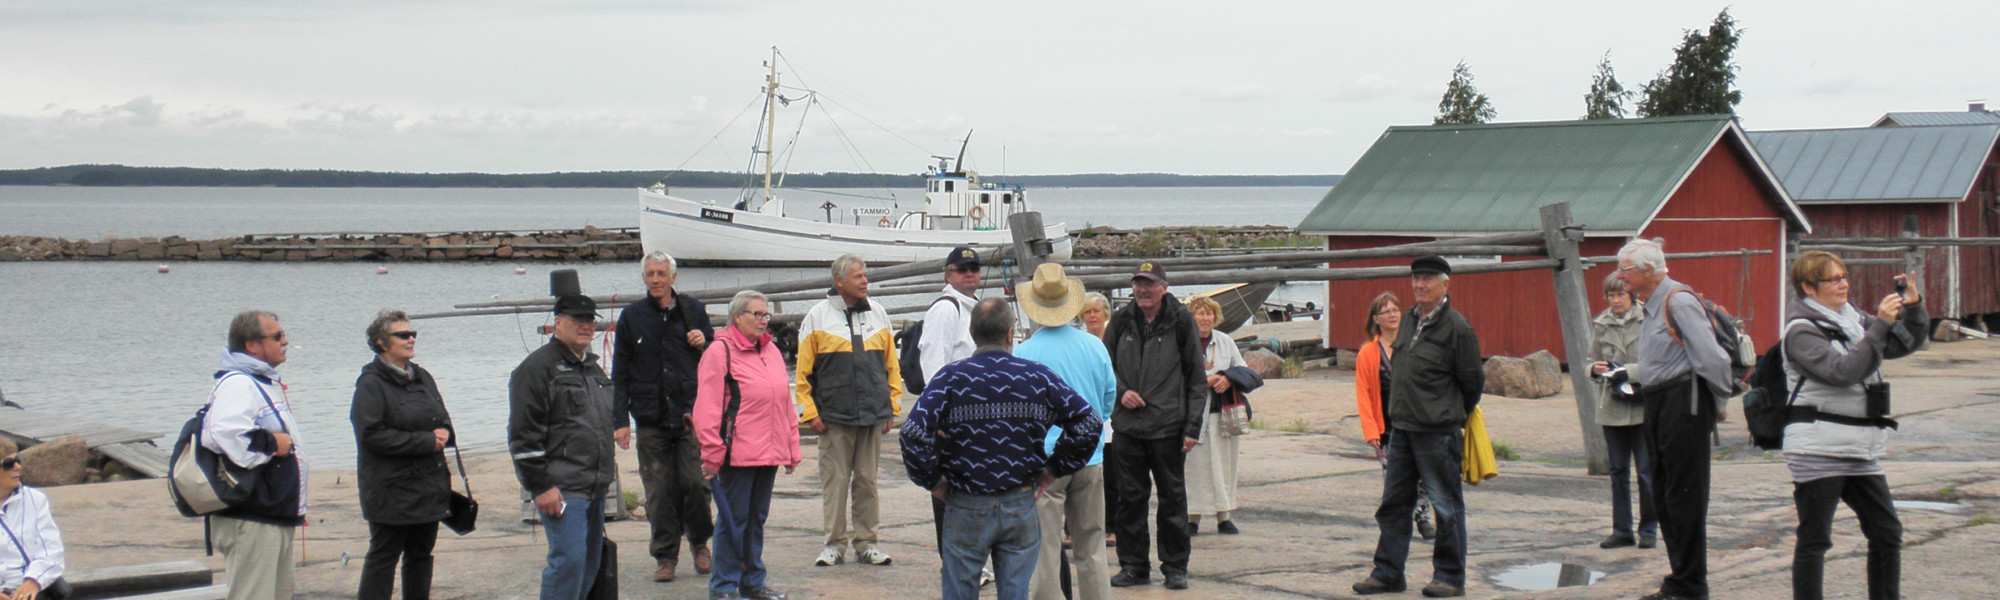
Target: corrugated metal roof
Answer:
[[1878, 164], [1435, 180], [1964, 117]]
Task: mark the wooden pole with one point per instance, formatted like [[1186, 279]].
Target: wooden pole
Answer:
[[1031, 244], [1505, 243], [1573, 310]]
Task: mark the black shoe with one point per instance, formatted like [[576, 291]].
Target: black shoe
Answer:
[[1128, 579], [1616, 541], [1194, 527], [1370, 586], [1439, 589], [762, 593], [1648, 541], [1667, 596], [1226, 528], [1176, 581]]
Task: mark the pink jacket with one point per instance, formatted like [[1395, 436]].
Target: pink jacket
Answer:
[[767, 428]]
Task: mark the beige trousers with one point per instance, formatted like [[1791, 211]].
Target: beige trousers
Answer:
[[1076, 501], [848, 463], [259, 557]]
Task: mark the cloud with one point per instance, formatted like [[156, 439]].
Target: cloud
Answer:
[[1227, 92], [1365, 88], [137, 112]]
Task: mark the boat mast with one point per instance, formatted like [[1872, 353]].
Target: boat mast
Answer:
[[770, 121]]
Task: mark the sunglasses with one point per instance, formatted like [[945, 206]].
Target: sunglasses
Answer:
[[403, 335], [8, 464]]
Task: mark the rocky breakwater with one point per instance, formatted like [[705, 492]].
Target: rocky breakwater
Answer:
[[589, 243], [1107, 242]]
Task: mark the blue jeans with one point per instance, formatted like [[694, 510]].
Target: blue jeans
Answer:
[[1627, 446], [1435, 461], [1004, 526], [742, 503], [576, 543]]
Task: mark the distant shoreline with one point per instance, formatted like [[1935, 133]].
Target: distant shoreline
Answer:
[[128, 176]]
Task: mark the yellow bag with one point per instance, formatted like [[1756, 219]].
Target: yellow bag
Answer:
[[1479, 462]]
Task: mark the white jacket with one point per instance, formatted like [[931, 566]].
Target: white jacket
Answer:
[[947, 332], [30, 547], [237, 408]]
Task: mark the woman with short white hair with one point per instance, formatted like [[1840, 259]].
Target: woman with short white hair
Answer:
[[31, 556]]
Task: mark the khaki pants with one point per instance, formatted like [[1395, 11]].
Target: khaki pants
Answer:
[[848, 460], [259, 558], [1076, 501]]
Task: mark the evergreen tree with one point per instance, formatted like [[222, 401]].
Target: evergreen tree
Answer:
[[1606, 99], [1462, 103], [1703, 75]]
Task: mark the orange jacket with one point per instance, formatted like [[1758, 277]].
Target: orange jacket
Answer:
[[1368, 388]]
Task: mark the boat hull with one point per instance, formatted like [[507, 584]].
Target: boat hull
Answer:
[[698, 234]]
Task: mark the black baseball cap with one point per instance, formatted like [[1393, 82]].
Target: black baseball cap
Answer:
[[1430, 263], [961, 256], [1151, 269], [576, 305]]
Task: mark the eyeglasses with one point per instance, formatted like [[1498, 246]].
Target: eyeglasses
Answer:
[[1839, 279], [1629, 268], [403, 335], [276, 337], [761, 316], [9, 463]]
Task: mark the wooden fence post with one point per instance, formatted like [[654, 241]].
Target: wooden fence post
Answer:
[[1913, 256], [1031, 247], [1573, 310]]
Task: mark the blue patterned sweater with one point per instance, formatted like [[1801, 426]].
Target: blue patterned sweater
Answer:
[[981, 421]]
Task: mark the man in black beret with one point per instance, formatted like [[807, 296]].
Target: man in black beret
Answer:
[[1437, 380]]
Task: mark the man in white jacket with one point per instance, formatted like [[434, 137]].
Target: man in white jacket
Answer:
[[250, 422]]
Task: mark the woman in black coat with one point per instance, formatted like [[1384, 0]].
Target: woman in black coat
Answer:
[[400, 431]]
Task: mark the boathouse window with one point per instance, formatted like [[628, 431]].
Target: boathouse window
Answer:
[[985, 198], [1006, 198], [947, 186]]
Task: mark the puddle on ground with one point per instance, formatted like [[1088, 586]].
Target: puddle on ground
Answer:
[[1546, 576], [1950, 507]]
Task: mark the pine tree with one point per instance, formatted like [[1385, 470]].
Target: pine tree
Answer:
[[1462, 103], [1701, 79], [1606, 99]]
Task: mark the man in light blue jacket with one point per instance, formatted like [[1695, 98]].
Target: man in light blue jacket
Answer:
[[1052, 300]]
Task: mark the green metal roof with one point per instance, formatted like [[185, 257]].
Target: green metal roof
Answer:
[[1464, 179]]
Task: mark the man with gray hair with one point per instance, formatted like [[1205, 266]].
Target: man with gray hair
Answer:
[[659, 345], [1684, 380], [848, 388], [250, 422]]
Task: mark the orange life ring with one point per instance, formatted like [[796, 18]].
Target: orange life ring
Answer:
[[976, 212], [884, 223]]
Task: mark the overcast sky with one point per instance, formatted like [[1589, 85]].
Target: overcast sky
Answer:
[[1237, 87]]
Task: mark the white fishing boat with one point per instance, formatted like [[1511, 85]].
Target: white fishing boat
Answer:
[[959, 209]]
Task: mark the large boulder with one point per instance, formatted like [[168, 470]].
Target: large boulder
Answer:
[[61, 461], [1266, 363], [1538, 376]]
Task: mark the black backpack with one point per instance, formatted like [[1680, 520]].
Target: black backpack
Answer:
[[1724, 328], [1767, 406], [910, 357]]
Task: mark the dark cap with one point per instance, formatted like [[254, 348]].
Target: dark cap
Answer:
[[576, 305], [1430, 263], [961, 256], [1150, 270]]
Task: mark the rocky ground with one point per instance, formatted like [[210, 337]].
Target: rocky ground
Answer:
[[1308, 492]]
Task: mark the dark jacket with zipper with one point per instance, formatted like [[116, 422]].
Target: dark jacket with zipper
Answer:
[[401, 472], [1439, 373], [652, 366], [1162, 361], [559, 423]]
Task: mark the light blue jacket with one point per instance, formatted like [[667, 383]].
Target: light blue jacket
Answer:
[[1082, 362]]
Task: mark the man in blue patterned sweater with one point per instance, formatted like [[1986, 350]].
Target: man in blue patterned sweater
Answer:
[[975, 440]]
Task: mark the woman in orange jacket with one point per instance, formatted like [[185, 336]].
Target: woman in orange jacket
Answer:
[[1371, 388]]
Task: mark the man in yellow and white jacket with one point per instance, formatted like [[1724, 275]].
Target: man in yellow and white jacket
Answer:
[[849, 391]]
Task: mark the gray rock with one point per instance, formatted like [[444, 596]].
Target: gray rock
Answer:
[[1266, 363], [61, 461], [1538, 376]]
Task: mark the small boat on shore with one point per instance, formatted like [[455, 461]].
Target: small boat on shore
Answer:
[[961, 210]]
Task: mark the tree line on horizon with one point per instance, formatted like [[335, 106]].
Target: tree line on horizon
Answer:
[[1701, 81], [121, 175]]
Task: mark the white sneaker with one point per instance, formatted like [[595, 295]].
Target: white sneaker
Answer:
[[828, 557], [985, 576], [875, 556]]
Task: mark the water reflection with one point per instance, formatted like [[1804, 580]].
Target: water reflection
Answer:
[[1546, 576]]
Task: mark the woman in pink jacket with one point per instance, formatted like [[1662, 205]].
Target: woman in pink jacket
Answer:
[[743, 416]]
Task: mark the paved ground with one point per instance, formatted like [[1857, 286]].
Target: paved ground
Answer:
[[1308, 493]]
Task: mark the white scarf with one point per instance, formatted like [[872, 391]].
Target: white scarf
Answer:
[[1849, 320]]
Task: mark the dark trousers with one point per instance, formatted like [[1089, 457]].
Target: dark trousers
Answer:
[[1142, 464], [1869, 498], [1627, 446], [388, 543], [742, 503], [1680, 452], [1434, 461], [677, 496]]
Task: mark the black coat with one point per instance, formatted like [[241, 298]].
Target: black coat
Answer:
[[652, 366], [1162, 361], [402, 473]]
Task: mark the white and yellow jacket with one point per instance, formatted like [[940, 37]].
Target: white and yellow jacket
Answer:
[[838, 383]]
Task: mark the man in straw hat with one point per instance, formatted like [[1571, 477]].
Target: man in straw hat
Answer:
[[1074, 503]]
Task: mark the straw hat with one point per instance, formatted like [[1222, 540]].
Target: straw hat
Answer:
[[1052, 299]]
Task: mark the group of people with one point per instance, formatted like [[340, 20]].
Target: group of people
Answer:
[[1056, 445]]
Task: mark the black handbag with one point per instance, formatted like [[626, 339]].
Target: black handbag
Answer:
[[464, 517]]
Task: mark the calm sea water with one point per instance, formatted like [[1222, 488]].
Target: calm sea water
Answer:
[[117, 342]]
